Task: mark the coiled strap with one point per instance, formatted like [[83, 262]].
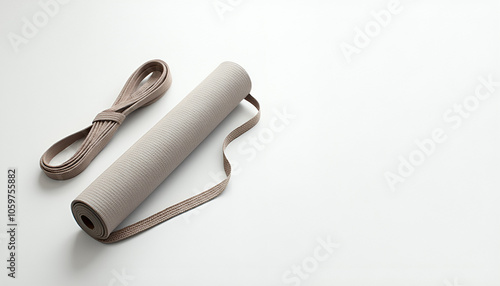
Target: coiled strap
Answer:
[[196, 200], [133, 96]]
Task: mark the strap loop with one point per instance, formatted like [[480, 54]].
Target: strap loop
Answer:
[[108, 115], [135, 94], [196, 200]]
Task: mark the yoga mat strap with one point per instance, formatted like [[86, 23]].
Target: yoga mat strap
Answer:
[[193, 201], [135, 94]]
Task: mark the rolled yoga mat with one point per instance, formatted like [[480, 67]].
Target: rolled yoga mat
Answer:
[[116, 193]]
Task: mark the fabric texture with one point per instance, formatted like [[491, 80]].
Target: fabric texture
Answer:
[[101, 207], [135, 94]]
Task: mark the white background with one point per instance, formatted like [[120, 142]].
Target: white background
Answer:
[[319, 176]]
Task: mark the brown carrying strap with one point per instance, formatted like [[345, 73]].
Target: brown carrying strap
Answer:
[[135, 94], [194, 201]]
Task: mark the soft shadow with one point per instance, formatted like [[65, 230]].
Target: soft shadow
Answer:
[[85, 250], [48, 184]]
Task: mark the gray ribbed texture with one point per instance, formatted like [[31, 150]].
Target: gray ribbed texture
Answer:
[[134, 176]]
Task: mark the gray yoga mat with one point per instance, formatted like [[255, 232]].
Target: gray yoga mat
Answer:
[[117, 192]]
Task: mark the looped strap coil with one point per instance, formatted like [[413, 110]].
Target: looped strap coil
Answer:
[[135, 94]]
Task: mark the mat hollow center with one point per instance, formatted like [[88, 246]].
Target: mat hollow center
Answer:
[[88, 223]]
